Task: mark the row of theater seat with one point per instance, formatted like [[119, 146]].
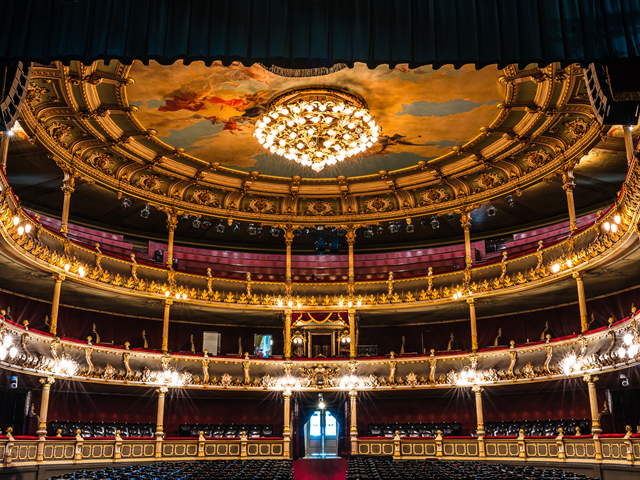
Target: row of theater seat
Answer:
[[199, 470], [536, 427], [225, 430], [384, 468], [448, 429], [101, 429]]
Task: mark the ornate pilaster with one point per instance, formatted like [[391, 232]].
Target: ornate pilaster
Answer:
[[351, 239], [568, 185], [465, 221], [165, 326], [55, 305], [42, 418], [353, 342], [67, 189], [287, 334], [474, 328], [591, 380], [286, 430], [162, 391], [480, 419], [353, 430], [172, 224], [582, 301], [288, 238]]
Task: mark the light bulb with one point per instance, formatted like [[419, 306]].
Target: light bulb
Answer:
[[3, 352], [66, 267], [27, 227], [628, 339], [607, 226], [7, 340], [166, 294], [184, 296], [279, 303], [321, 405], [348, 339], [621, 352], [556, 267], [350, 304], [614, 228], [13, 351], [290, 303], [617, 219], [455, 296], [359, 303], [81, 271], [20, 230], [340, 303], [569, 263], [16, 221], [177, 296], [633, 350]]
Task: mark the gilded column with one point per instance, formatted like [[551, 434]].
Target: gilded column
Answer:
[[465, 221], [568, 185], [593, 404], [353, 341], [162, 391], [172, 223], [288, 238], [165, 326], [287, 334], [353, 431], [42, 418], [480, 419], [474, 327], [4, 149], [67, 189], [628, 142], [286, 431], [582, 301], [351, 239], [53, 326]]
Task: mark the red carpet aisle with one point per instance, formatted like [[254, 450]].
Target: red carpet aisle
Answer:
[[320, 469]]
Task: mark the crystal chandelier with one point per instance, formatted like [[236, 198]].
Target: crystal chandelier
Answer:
[[317, 126]]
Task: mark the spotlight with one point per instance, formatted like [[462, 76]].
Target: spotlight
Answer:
[[174, 263], [491, 211], [236, 227], [393, 228], [220, 227], [306, 231], [157, 256], [341, 232], [197, 222], [410, 228], [379, 230], [185, 218], [206, 223], [126, 203], [368, 233], [449, 216], [399, 227], [319, 228], [423, 222], [297, 232], [510, 201], [435, 223], [252, 229], [275, 232], [145, 212], [260, 232]]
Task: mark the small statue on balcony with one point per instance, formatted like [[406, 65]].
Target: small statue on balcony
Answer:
[[134, 267], [503, 265], [390, 283]]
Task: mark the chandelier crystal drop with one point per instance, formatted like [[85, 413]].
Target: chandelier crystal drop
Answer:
[[317, 127]]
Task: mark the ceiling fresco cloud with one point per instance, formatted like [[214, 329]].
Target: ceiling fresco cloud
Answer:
[[211, 111]]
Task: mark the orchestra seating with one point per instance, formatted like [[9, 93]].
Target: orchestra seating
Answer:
[[448, 429], [384, 468], [101, 429], [228, 430], [200, 470], [536, 428]]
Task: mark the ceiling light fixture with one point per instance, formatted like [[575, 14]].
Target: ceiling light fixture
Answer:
[[317, 126]]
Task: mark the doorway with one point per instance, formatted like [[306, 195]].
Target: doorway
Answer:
[[321, 435]]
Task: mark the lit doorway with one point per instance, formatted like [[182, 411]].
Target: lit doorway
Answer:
[[321, 434]]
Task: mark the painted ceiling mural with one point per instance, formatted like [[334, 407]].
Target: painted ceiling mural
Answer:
[[211, 111], [180, 137]]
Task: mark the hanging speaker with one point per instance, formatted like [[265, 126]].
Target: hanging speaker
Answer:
[[15, 82], [604, 100]]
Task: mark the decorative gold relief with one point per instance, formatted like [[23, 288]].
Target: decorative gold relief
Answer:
[[434, 195], [319, 208], [377, 204], [260, 205]]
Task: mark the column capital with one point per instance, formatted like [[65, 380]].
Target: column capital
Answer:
[[351, 234], [162, 391], [351, 311], [471, 301], [58, 277], [353, 393], [590, 379], [67, 187], [288, 234], [465, 219], [477, 389], [47, 381], [167, 303], [286, 395], [579, 275], [172, 222]]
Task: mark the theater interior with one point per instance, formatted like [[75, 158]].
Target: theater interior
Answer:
[[319, 239]]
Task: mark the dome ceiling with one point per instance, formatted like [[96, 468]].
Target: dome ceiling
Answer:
[[180, 137]]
